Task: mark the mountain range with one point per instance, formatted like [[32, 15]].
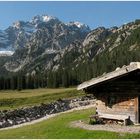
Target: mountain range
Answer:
[[47, 45]]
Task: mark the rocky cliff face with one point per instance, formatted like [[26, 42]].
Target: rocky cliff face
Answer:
[[38, 40], [47, 30], [46, 43], [102, 51]]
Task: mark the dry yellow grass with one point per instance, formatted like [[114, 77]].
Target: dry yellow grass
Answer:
[[8, 94], [15, 99]]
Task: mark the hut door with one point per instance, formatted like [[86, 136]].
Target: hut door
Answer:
[[139, 109]]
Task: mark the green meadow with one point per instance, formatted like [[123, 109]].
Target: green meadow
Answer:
[[59, 128], [10, 99]]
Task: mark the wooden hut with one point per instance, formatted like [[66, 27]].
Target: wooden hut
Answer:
[[117, 93]]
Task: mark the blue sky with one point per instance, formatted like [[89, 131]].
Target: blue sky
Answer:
[[93, 13]]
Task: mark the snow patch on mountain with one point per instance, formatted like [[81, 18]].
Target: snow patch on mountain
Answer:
[[6, 53], [79, 25], [44, 18], [47, 18], [16, 24]]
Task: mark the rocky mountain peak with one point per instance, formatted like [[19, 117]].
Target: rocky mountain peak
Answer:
[[96, 35], [53, 44], [18, 24], [79, 25], [42, 18], [41, 39]]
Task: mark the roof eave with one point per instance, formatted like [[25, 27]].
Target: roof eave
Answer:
[[124, 70]]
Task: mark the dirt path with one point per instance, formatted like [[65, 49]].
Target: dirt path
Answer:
[[47, 117], [112, 128]]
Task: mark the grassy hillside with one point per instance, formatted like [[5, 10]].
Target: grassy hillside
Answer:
[[15, 99], [58, 127]]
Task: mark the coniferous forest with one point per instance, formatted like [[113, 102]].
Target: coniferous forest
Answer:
[[72, 72]]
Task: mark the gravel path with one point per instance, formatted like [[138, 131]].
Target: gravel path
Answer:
[[113, 128], [47, 117]]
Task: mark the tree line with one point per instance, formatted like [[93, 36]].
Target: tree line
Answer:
[[70, 74], [50, 79], [19, 82]]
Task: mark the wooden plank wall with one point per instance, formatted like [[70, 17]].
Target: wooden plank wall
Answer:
[[125, 105]]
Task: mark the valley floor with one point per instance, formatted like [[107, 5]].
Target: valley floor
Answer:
[[13, 99], [59, 127]]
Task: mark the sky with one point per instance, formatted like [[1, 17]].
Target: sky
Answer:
[[92, 13]]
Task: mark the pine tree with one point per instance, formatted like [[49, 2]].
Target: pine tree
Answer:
[[19, 83]]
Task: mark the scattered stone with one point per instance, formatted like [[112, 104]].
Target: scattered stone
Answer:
[[28, 114]]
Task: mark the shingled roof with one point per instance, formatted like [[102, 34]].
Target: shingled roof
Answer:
[[111, 75]]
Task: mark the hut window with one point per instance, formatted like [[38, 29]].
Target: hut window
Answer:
[[111, 100]]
